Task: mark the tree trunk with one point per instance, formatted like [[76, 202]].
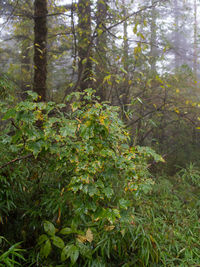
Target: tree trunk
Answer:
[[153, 49], [125, 87], [40, 48], [101, 45], [84, 45]]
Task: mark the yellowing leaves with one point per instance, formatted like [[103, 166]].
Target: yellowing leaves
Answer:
[[39, 115], [129, 82], [107, 79], [109, 228], [176, 110], [137, 51], [88, 237]]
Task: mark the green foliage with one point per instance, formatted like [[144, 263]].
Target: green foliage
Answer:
[[78, 195], [76, 171], [170, 212], [12, 256], [191, 174], [6, 87]]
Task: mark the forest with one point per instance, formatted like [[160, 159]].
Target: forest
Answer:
[[99, 133]]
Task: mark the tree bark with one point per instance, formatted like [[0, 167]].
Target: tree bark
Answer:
[[84, 45], [101, 44], [40, 48], [153, 50]]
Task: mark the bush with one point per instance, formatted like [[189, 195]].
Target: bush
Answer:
[[75, 172]]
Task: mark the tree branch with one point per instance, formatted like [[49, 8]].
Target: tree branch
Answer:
[[15, 160]]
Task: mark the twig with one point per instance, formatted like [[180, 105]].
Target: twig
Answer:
[[15, 160]]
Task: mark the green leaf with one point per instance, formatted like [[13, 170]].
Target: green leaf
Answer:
[[49, 228], [108, 192], [68, 130], [45, 249], [35, 147], [42, 239], [33, 95], [66, 231], [57, 241], [84, 61], [71, 251], [123, 203], [10, 114], [123, 70], [74, 253], [84, 250]]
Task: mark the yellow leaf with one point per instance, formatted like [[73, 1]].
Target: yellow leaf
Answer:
[[123, 232], [177, 111], [84, 60], [109, 227], [81, 238], [177, 91], [89, 235], [107, 78]]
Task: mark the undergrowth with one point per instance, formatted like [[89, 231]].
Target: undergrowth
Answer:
[[73, 193]]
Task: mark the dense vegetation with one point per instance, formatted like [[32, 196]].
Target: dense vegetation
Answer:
[[99, 134]]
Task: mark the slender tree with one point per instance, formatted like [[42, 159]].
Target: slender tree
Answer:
[[40, 48], [153, 52], [84, 45]]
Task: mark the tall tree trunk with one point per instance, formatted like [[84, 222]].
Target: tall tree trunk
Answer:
[[125, 37], [40, 48], [84, 45], [101, 47], [125, 88]]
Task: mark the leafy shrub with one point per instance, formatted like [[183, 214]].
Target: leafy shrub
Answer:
[[191, 174], [75, 171]]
